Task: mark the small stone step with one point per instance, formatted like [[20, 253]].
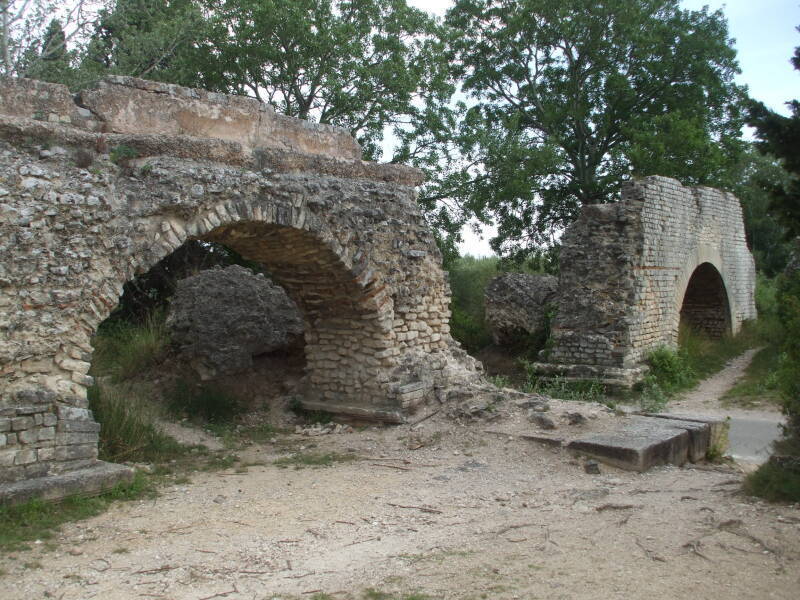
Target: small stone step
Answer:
[[88, 481]]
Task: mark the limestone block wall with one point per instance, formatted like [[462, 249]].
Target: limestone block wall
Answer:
[[343, 237], [625, 271]]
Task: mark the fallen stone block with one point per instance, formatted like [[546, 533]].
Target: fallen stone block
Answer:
[[637, 447]]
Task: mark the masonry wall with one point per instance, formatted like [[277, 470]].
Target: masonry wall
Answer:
[[344, 237], [625, 268]]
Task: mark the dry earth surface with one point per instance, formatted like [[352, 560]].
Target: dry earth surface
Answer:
[[442, 509]]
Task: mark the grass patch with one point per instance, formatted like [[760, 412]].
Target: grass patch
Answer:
[[123, 350], [37, 519], [313, 459], [760, 383], [561, 388], [128, 430], [698, 356]]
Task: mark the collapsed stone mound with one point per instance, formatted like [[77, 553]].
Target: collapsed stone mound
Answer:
[[517, 304], [221, 318]]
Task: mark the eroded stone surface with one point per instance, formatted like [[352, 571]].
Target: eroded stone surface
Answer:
[[517, 305], [220, 318]]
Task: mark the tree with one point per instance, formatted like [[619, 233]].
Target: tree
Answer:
[[780, 137], [151, 39], [766, 236], [34, 35], [572, 97], [364, 65]]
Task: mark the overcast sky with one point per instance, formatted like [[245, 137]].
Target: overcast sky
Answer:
[[765, 36]]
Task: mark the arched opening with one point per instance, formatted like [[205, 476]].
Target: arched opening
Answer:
[[348, 347], [705, 305]]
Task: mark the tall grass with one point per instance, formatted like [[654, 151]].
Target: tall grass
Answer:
[[128, 427], [123, 349]]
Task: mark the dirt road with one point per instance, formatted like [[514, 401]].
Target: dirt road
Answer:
[[467, 515]]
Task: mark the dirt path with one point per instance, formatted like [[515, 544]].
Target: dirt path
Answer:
[[752, 431], [705, 398], [466, 516]]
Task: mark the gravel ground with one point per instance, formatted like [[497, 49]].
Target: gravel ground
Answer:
[[443, 509]]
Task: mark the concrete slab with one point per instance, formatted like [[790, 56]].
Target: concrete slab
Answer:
[[88, 481]]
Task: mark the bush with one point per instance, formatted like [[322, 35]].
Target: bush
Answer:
[[123, 349], [670, 369], [205, 403], [128, 430], [774, 482]]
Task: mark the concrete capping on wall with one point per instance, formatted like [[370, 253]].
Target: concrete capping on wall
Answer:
[[625, 268]]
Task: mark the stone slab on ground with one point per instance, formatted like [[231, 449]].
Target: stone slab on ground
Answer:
[[718, 428], [648, 441], [88, 481]]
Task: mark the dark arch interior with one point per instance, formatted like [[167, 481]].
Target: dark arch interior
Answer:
[[705, 304]]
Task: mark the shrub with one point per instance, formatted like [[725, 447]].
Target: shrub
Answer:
[[670, 369], [128, 430]]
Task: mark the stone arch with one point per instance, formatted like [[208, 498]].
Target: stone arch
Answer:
[[344, 237], [705, 305], [629, 269]]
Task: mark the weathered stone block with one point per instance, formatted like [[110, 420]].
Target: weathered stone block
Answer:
[[21, 423], [25, 457]]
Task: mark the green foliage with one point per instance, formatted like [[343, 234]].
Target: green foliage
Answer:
[[469, 277], [363, 66], [37, 519], [120, 155], [124, 350], [129, 431], [758, 176], [206, 403], [572, 96], [775, 483], [671, 369], [152, 39]]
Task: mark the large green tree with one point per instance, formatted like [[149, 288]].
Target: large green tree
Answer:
[[365, 65], [572, 97], [165, 40]]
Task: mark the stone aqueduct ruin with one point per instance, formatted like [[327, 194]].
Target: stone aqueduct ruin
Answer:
[[632, 271], [344, 237]]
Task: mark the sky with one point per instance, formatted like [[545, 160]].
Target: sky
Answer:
[[765, 37]]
